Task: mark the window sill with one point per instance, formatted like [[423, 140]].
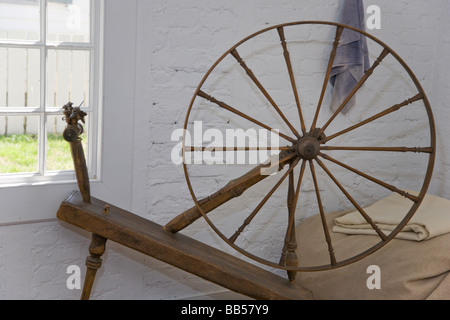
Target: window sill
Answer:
[[35, 201], [34, 179]]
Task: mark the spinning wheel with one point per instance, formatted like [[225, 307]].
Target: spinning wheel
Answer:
[[308, 143], [361, 155]]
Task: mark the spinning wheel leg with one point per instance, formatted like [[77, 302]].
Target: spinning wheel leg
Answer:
[[288, 254], [93, 263]]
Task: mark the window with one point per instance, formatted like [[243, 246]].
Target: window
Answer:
[[49, 55]]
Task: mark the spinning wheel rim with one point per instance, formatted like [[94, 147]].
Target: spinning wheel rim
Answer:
[[302, 155]]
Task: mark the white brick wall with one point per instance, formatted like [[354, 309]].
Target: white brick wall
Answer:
[[176, 42]]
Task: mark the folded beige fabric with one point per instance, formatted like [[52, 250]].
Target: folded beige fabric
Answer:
[[409, 269], [431, 219]]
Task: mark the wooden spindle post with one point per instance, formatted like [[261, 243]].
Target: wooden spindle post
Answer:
[[291, 255], [71, 134]]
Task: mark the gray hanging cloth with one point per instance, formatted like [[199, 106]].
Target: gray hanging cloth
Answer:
[[352, 57]]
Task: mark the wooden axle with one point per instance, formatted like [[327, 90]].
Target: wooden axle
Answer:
[[233, 189]]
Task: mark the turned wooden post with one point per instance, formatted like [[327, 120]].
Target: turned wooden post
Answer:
[[288, 254], [291, 257], [72, 132], [93, 263]]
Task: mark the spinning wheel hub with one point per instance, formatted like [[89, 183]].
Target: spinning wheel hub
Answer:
[[308, 147]]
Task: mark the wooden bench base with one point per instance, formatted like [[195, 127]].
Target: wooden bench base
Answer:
[[107, 222]]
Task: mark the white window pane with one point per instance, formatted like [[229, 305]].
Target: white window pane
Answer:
[[19, 77], [19, 19], [68, 20], [58, 150], [18, 144], [68, 77]]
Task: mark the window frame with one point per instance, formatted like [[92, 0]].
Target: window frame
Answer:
[[94, 110]]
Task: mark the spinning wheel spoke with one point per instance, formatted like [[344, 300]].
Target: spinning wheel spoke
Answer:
[[368, 73], [339, 31], [288, 254], [355, 204], [241, 114], [249, 219], [381, 183], [252, 76], [291, 76], [377, 116], [386, 149], [322, 215]]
